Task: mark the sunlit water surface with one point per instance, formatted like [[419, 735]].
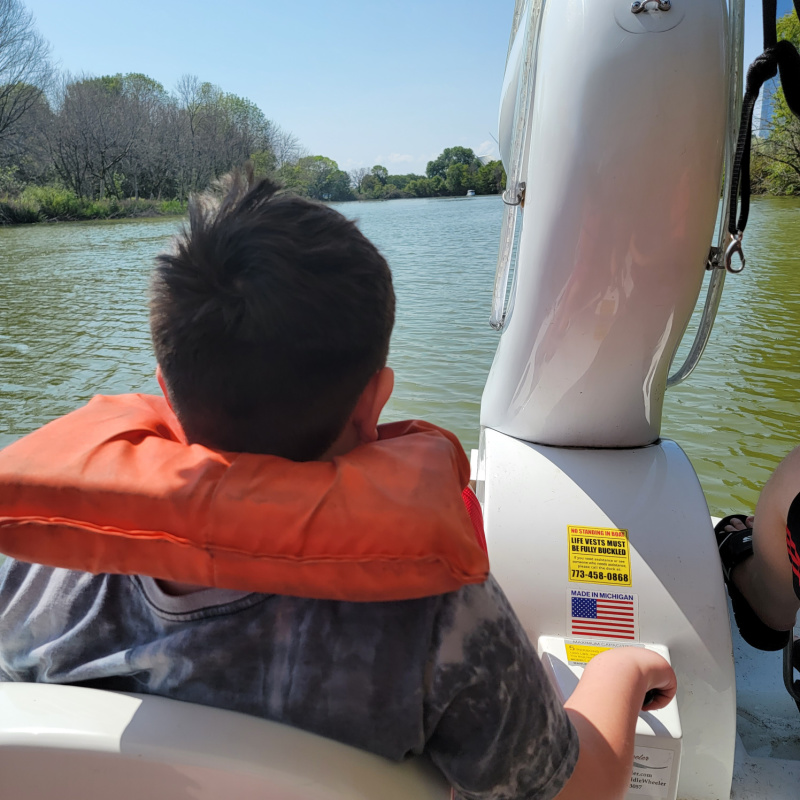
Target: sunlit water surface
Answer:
[[73, 323]]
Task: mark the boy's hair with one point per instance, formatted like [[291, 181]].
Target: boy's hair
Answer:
[[268, 320]]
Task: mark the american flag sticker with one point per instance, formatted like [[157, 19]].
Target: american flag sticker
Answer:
[[601, 614]]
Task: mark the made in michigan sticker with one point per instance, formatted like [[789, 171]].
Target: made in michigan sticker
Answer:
[[599, 555]]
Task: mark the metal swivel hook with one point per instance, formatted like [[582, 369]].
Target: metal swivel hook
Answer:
[[734, 247]]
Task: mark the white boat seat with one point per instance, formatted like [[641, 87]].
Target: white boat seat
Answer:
[[72, 743]]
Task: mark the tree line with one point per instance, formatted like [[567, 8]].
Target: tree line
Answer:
[[453, 173], [125, 135], [85, 146]]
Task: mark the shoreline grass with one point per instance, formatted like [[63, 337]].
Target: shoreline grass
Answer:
[[52, 204]]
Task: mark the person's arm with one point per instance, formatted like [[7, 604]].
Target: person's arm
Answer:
[[603, 710], [766, 579], [495, 725]]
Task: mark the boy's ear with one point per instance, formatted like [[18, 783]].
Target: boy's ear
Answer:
[[162, 383], [370, 405]]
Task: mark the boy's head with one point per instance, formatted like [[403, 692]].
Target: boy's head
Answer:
[[271, 322]]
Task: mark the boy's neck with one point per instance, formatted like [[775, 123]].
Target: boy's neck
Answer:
[[175, 589], [346, 441]]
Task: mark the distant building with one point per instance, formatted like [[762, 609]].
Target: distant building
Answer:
[[486, 159], [762, 113]]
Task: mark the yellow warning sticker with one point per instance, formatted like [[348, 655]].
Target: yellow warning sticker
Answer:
[[580, 654], [599, 555]]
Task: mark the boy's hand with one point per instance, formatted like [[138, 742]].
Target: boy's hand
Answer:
[[656, 677], [661, 681], [660, 678], [615, 686]]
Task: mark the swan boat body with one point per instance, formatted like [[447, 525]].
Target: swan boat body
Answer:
[[610, 221]]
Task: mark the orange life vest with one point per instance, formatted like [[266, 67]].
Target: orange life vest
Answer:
[[114, 487]]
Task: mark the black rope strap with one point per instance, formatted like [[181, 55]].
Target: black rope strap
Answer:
[[777, 56]]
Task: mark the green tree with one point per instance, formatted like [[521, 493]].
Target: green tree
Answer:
[[437, 186], [317, 177], [381, 174], [451, 155], [457, 179], [776, 159], [419, 187], [338, 186], [378, 184], [368, 186], [264, 163], [491, 178], [789, 28], [392, 192], [401, 181]]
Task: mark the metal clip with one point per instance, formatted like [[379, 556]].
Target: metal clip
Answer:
[[734, 247], [641, 5], [714, 260], [515, 198]]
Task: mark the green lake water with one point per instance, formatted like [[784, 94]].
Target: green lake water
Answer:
[[73, 323]]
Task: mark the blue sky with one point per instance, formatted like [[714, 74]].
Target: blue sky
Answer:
[[360, 81]]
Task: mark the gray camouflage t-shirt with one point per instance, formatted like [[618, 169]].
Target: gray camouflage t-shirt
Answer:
[[453, 676]]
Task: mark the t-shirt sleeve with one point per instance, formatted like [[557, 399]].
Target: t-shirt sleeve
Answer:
[[494, 724]]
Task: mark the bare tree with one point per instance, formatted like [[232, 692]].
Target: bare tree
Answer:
[[95, 130], [146, 102], [357, 175], [222, 131], [190, 98], [25, 68], [65, 142], [286, 146], [24, 147]]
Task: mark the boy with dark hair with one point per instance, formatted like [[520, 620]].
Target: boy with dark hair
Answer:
[[268, 322], [271, 323]]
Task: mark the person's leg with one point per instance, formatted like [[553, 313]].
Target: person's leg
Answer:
[[765, 580]]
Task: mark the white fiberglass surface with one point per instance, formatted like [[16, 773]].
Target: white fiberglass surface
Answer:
[[619, 214]]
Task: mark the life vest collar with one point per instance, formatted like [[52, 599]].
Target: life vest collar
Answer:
[[113, 487]]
